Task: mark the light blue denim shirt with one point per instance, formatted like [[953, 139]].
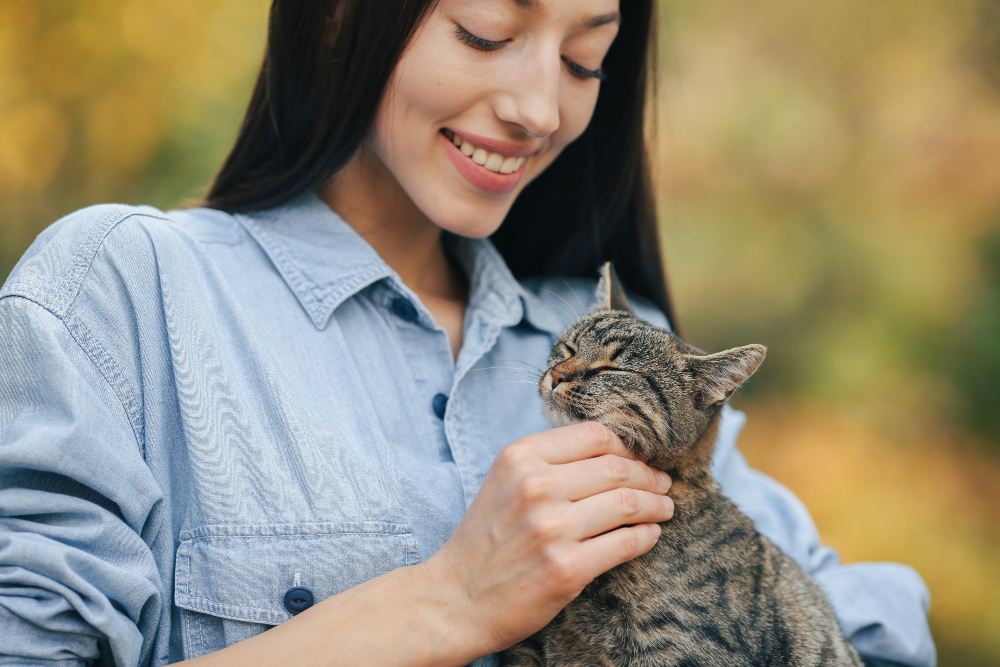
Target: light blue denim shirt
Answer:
[[200, 412]]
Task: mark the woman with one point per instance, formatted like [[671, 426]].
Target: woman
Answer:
[[295, 406]]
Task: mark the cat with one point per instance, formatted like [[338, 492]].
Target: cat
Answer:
[[713, 590]]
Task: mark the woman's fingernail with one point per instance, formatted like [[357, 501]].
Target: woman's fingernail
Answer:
[[664, 479]]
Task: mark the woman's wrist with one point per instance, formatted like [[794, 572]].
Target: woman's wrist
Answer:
[[438, 616], [447, 613], [468, 633]]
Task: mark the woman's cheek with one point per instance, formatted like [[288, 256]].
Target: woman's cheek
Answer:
[[579, 112], [575, 112]]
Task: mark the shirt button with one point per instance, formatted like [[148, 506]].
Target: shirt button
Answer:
[[298, 599], [403, 309], [439, 403]]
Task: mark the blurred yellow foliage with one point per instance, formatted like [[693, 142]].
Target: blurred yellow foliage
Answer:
[[125, 124], [33, 142]]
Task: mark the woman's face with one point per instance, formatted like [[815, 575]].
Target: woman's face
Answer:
[[516, 106]]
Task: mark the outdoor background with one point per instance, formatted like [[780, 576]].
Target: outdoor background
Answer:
[[829, 179]]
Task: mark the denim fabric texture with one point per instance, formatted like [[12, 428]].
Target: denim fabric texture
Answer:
[[201, 411]]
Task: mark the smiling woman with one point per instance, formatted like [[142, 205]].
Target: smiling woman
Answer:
[[448, 84], [278, 427], [510, 77]]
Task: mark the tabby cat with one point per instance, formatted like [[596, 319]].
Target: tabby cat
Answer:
[[713, 591]]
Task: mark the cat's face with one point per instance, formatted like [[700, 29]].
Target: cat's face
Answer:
[[657, 392]]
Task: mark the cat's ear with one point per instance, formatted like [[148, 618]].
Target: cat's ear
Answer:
[[722, 373], [610, 295]]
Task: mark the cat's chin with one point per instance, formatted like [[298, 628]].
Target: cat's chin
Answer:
[[559, 416]]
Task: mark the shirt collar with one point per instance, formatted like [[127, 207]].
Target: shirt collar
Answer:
[[324, 261]]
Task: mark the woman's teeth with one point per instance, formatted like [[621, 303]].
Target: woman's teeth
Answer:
[[492, 161]]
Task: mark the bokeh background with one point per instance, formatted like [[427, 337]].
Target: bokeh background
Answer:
[[829, 178]]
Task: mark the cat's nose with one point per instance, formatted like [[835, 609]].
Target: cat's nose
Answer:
[[557, 377]]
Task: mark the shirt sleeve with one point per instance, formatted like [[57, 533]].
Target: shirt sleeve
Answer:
[[78, 583], [882, 607]]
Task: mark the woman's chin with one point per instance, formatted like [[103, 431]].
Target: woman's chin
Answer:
[[474, 225]]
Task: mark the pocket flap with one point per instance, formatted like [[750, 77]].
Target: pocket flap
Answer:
[[243, 572]]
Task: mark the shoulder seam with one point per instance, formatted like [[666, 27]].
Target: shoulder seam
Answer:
[[63, 293], [104, 364]]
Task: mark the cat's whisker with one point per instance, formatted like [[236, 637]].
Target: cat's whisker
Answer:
[[583, 308], [670, 431], [590, 407], [517, 379], [497, 384], [623, 428], [535, 374], [629, 426], [570, 315], [631, 434], [540, 371]]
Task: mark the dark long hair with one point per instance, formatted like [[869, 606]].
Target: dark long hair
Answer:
[[325, 67]]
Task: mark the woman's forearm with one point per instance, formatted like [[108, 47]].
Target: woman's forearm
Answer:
[[407, 616], [525, 548]]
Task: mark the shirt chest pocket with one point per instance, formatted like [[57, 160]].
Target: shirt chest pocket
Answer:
[[233, 582]]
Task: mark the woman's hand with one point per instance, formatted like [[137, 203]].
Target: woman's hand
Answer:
[[557, 509]]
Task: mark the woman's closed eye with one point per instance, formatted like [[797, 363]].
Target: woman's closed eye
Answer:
[[478, 42], [579, 71]]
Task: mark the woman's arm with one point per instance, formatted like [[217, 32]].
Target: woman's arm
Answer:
[[77, 578], [552, 514], [79, 509], [78, 582], [408, 616]]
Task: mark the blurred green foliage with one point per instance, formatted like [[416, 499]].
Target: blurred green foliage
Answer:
[[968, 354], [829, 185], [830, 175]]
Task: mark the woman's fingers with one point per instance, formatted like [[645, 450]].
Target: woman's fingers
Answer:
[[525, 548], [601, 553], [582, 479], [600, 513], [575, 442]]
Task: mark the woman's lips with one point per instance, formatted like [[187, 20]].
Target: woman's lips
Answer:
[[481, 177]]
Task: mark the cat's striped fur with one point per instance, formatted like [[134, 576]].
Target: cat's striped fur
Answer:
[[713, 591]]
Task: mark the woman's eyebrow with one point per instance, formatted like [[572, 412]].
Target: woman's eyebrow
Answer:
[[593, 22]]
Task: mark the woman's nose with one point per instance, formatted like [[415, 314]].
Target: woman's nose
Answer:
[[533, 99]]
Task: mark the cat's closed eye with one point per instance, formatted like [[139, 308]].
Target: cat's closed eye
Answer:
[[603, 370]]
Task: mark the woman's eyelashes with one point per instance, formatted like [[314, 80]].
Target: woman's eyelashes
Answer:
[[478, 42], [582, 72], [578, 70]]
